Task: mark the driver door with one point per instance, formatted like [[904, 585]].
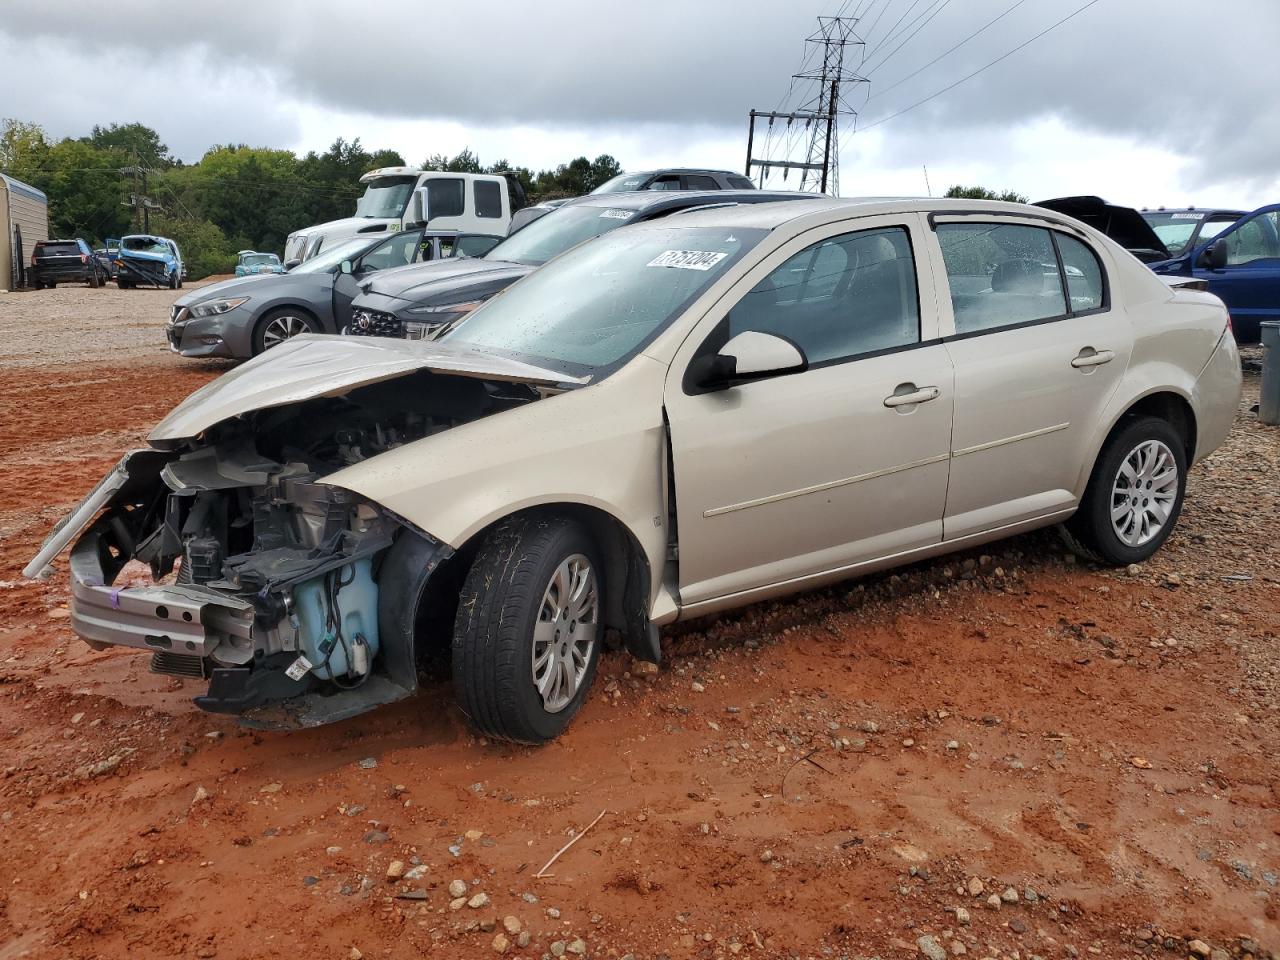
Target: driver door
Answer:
[[1249, 284], [398, 250], [787, 479]]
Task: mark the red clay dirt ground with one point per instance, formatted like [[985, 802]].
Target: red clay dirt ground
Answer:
[[829, 776]]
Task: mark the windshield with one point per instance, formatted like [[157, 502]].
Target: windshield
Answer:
[[555, 232], [595, 307], [386, 197], [623, 183], [146, 245], [1177, 229], [346, 250], [260, 260]]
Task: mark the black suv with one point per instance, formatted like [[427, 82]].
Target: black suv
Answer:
[[65, 261]]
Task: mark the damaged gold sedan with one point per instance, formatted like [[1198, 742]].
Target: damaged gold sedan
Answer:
[[672, 419]]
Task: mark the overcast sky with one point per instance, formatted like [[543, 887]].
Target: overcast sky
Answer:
[[1145, 102]]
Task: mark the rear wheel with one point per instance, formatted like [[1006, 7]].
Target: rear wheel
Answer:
[[1134, 497], [94, 280], [281, 325], [529, 628], [122, 283]]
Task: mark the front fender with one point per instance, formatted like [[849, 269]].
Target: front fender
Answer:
[[600, 446]]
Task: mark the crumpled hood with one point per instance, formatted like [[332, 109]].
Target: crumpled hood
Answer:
[[425, 282], [312, 366]]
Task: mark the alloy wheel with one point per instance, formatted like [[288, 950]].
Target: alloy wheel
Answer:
[[1144, 493], [564, 634], [283, 328]]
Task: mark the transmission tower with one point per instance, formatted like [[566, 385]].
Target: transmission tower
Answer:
[[821, 114]]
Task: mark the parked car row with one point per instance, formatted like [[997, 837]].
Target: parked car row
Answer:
[[136, 260], [675, 414]]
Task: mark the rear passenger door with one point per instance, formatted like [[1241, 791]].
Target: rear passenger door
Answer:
[[1038, 350]]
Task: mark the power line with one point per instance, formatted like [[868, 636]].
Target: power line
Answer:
[[923, 20], [892, 30], [982, 69], [879, 92]]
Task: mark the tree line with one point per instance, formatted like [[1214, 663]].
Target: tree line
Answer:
[[236, 196]]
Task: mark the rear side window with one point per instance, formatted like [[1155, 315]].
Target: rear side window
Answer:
[[839, 298], [1084, 274], [488, 199], [698, 181], [1001, 275], [445, 198], [740, 183]]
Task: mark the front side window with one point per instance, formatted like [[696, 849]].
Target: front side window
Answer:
[[393, 252], [665, 183], [1256, 239], [589, 311], [488, 199], [445, 197], [622, 183], [1083, 272], [842, 297], [1000, 275]]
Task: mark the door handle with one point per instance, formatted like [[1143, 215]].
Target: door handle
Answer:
[[916, 395], [1088, 357]]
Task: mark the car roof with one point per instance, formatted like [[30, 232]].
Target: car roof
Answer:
[[649, 173], [1207, 211], [820, 209], [645, 200]]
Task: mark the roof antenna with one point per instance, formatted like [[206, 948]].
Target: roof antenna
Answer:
[[928, 189]]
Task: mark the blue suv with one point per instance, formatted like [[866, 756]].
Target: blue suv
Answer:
[[1242, 266]]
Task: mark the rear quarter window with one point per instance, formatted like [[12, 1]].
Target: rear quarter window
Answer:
[[488, 199]]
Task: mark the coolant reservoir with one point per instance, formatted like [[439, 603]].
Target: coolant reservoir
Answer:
[[356, 609]]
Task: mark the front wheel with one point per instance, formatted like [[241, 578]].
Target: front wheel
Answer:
[[529, 628], [281, 325], [1134, 496]]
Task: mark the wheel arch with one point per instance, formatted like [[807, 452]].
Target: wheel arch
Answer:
[[627, 577], [1164, 403]]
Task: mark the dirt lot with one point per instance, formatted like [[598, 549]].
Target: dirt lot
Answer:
[[853, 773]]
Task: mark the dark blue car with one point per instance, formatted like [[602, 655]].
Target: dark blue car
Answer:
[[1242, 266]]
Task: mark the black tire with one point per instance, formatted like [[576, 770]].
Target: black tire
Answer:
[[493, 637], [123, 284], [173, 281], [51, 285], [261, 331], [94, 280], [37, 285], [1090, 532]]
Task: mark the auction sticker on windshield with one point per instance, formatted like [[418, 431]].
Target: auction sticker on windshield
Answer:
[[687, 259], [617, 215]]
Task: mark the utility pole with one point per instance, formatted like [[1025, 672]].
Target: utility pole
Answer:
[[140, 201], [821, 115]]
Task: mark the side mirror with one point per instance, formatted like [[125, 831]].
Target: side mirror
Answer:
[[346, 267], [1215, 255], [751, 355], [421, 207], [290, 264]]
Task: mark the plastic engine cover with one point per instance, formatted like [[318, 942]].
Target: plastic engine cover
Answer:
[[356, 611]]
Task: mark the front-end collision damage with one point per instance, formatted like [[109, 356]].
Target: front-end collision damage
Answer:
[[298, 600]]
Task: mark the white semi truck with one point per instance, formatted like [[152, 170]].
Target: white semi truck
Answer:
[[397, 197]]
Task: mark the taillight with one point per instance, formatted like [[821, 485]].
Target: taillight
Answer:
[[33, 259], [84, 258]]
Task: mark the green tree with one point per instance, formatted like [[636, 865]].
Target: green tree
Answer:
[[24, 149], [205, 249], [130, 141], [982, 193]]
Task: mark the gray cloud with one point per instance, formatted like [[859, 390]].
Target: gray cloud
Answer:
[[1176, 74]]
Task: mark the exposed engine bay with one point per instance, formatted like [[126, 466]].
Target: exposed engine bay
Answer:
[[267, 581]]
